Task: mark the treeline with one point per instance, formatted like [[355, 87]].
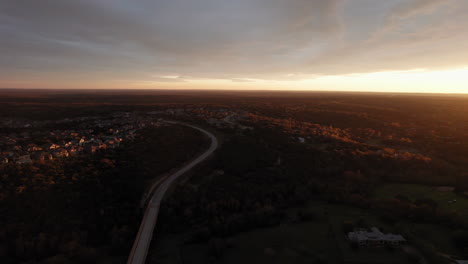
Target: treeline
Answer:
[[420, 132]]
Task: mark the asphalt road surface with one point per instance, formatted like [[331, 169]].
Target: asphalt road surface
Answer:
[[145, 233]]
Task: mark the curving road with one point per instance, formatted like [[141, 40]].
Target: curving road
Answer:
[[145, 233]]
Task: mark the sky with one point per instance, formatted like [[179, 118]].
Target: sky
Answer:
[[344, 45]]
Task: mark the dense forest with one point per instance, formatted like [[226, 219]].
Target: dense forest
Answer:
[[400, 160]]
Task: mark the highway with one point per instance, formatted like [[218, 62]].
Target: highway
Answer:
[[145, 233]]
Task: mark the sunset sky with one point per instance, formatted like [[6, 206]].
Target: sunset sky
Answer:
[[348, 45]]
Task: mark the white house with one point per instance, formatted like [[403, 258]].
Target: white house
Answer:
[[375, 237]]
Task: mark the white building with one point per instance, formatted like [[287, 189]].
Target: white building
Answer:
[[375, 237]]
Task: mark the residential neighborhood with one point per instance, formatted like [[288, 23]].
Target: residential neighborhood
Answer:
[[82, 135], [29, 141]]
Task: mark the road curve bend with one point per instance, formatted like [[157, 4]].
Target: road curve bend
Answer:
[[145, 233]]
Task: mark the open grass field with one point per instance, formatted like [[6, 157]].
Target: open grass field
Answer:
[[438, 236], [306, 242], [300, 243], [416, 191]]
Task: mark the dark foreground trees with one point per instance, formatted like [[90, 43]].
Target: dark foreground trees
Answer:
[[85, 209]]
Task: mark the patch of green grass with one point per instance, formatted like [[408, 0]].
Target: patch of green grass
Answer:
[[438, 236], [416, 191], [298, 243]]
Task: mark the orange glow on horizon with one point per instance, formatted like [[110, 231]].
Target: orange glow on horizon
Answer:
[[419, 81]]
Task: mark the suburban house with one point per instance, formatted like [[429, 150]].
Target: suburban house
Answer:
[[24, 159], [375, 238]]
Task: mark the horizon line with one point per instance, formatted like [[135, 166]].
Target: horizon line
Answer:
[[234, 90]]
